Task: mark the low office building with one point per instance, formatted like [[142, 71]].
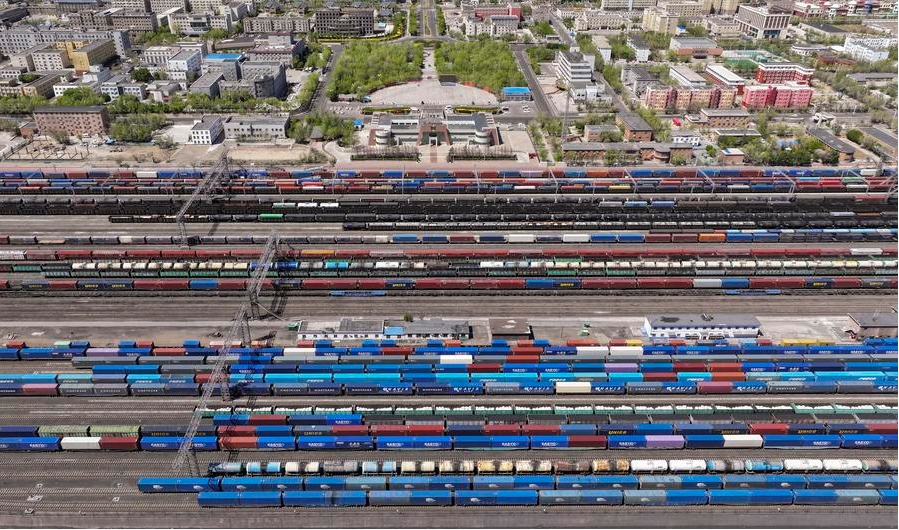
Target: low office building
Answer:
[[782, 72], [635, 128], [282, 54], [207, 84], [722, 27], [503, 25], [516, 93], [625, 152], [228, 64], [637, 78], [601, 132], [574, 66], [724, 118], [691, 326], [641, 49], [196, 24], [74, 121], [43, 86], [593, 19], [867, 325], [255, 129], [268, 23], [376, 329], [134, 22], [207, 131], [687, 77], [158, 55], [184, 67], [762, 22], [344, 22], [601, 43], [696, 47], [476, 129]]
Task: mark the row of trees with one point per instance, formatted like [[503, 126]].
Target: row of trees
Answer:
[[304, 96], [137, 128], [332, 127], [364, 67], [485, 63]]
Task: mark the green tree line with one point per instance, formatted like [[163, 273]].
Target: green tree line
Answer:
[[485, 63]]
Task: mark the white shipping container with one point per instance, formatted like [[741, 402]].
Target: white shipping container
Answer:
[[145, 174], [707, 283], [575, 238], [80, 443], [625, 350], [299, 351], [520, 238], [743, 441], [572, 387], [602, 350], [456, 359]]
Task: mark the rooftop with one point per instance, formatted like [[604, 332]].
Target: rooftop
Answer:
[[259, 120], [885, 137], [694, 42], [206, 123], [725, 112], [509, 326], [825, 28], [705, 321], [884, 319], [724, 73], [67, 110], [637, 41], [223, 56], [516, 90], [634, 122]]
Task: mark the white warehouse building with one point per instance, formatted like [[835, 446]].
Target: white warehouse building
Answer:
[[693, 326]]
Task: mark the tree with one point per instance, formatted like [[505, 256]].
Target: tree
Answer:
[[855, 136], [612, 157], [215, 34], [364, 67], [28, 77], [711, 151], [487, 64], [141, 75], [81, 97], [136, 128], [678, 160]]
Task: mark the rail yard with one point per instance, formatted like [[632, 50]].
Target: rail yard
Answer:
[[448, 347]]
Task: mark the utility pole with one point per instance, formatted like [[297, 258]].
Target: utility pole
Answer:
[[210, 183], [240, 328]]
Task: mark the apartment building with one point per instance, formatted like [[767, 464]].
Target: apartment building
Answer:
[[782, 72], [591, 19], [602, 45], [74, 121], [132, 6], [720, 75], [641, 49], [627, 5], [869, 49], [267, 23], [94, 53], [787, 96], [20, 39], [135, 22], [503, 25], [158, 55], [47, 58], [659, 20], [722, 27], [763, 22], [199, 23]]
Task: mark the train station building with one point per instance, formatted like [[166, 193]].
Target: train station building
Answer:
[[691, 326]]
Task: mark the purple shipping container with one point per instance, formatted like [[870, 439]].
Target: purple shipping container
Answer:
[[664, 441], [39, 389], [621, 367]]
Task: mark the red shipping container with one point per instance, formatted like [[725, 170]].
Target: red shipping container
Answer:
[[389, 430], [725, 367], [202, 378], [659, 376], [617, 342], [14, 344], [235, 430], [498, 430], [714, 387], [268, 419], [677, 342], [118, 443], [882, 428], [425, 430], [485, 367], [728, 376], [764, 342], [349, 430], [537, 429], [768, 428], [587, 441], [527, 350], [144, 343], [305, 344], [582, 342], [396, 350], [237, 442], [524, 343], [169, 352], [72, 284], [689, 366], [523, 359]]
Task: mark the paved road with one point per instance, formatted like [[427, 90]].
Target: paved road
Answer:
[[174, 306], [541, 104], [320, 101]]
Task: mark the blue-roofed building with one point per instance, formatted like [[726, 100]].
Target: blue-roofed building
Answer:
[[516, 93]]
